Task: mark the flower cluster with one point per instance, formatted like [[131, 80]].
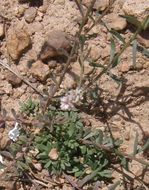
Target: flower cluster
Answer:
[[14, 133], [70, 99]]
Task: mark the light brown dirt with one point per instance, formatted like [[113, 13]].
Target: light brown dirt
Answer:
[[126, 107]]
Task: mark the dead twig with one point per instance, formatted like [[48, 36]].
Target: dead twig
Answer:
[[74, 185], [6, 66]]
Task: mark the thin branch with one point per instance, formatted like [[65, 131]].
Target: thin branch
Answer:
[[6, 66], [71, 182]]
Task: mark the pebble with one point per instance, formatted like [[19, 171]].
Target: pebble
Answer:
[[19, 12], [136, 8], [114, 21], [53, 154], [105, 52], [99, 5], [17, 42], [40, 70], [55, 45], [13, 79], [1, 30], [38, 166], [30, 14], [95, 52]]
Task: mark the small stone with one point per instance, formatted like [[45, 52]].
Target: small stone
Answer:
[[136, 8], [146, 65], [38, 166], [95, 52], [6, 87], [56, 44], [99, 5], [115, 22], [127, 135], [105, 52], [53, 154], [1, 30], [40, 70], [13, 79], [4, 141], [124, 67], [30, 14], [19, 11], [17, 42]]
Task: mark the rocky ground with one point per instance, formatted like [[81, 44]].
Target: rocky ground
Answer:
[[33, 35]]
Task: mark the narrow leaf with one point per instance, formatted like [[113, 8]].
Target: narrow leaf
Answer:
[[135, 147], [146, 146], [146, 23], [113, 48], [133, 20], [134, 52], [117, 35]]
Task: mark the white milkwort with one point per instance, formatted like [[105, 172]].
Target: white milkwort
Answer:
[[68, 101], [2, 162], [14, 133]]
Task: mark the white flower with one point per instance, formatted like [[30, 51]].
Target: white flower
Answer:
[[2, 162], [1, 159], [14, 133], [71, 98]]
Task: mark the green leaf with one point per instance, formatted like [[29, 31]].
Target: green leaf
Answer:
[[113, 49], [71, 130], [135, 147], [1, 166], [133, 20], [23, 166], [48, 164], [125, 163], [146, 146], [91, 134], [115, 61], [134, 52], [99, 139], [105, 173], [117, 35], [146, 23], [42, 155]]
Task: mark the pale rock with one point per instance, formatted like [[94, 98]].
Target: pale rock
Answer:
[[105, 52], [137, 8], [114, 21], [17, 42], [13, 79], [99, 5], [124, 67], [39, 17], [1, 30], [30, 14], [38, 166], [35, 27], [40, 70], [53, 154], [19, 11], [6, 87], [146, 65], [55, 45], [95, 52]]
